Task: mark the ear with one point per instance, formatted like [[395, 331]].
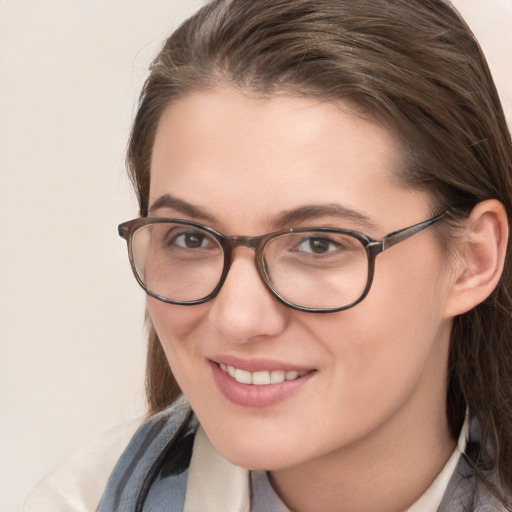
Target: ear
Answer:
[[481, 256]]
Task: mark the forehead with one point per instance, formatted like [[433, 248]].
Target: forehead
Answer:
[[230, 151]]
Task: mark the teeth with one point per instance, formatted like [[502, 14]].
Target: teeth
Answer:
[[277, 376], [243, 376], [261, 378], [292, 375]]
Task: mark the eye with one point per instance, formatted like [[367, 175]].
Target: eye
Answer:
[[173, 237], [191, 240], [318, 245]]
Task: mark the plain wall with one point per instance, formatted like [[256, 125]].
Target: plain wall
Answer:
[[72, 345], [71, 315]]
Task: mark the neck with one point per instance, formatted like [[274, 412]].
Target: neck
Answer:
[[388, 470]]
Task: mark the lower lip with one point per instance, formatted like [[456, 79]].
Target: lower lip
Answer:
[[251, 395]]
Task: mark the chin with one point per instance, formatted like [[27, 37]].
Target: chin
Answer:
[[255, 457], [260, 450]]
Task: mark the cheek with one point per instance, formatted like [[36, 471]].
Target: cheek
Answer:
[[414, 324], [394, 339], [412, 285], [178, 330]]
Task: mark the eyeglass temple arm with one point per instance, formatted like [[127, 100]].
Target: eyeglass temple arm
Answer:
[[402, 234]]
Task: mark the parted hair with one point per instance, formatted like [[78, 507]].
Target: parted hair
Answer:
[[414, 66]]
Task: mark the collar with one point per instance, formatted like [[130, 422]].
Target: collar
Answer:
[[214, 483]]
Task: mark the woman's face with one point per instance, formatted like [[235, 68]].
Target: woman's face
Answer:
[[368, 376]]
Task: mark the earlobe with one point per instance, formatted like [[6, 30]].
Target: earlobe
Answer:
[[481, 257]]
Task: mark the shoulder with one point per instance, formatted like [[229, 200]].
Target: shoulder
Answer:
[[77, 484], [472, 483], [467, 490], [116, 463], [154, 467]]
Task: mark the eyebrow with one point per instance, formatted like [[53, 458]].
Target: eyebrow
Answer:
[[289, 218], [284, 219], [181, 206]]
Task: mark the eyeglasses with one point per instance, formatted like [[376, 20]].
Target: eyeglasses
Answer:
[[319, 270]]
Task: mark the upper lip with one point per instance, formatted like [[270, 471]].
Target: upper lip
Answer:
[[257, 364]]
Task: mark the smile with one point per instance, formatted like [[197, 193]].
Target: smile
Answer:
[[261, 378]]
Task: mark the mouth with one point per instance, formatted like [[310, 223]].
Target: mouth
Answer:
[[258, 383], [263, 377]]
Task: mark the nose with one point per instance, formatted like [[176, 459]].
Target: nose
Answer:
[[245, 309]]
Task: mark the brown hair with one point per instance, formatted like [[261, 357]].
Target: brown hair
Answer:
[[413, 65]]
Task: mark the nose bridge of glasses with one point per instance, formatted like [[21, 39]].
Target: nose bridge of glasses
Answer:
[[255, 243], [251, 242]]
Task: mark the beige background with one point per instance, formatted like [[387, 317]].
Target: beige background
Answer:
[[71, 315]]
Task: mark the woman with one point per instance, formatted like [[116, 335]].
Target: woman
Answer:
[[279, 148]]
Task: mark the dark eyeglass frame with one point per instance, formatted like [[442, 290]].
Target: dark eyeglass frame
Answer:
[[372, 247]]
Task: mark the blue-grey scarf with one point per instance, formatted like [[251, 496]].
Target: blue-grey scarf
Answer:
[[152, 473]]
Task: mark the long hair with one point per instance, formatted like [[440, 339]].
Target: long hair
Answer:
[[412, 65]]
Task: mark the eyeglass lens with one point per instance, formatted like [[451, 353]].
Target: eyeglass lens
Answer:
[[310, 269]]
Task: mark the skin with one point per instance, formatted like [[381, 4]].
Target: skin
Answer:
[[367, 431]]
